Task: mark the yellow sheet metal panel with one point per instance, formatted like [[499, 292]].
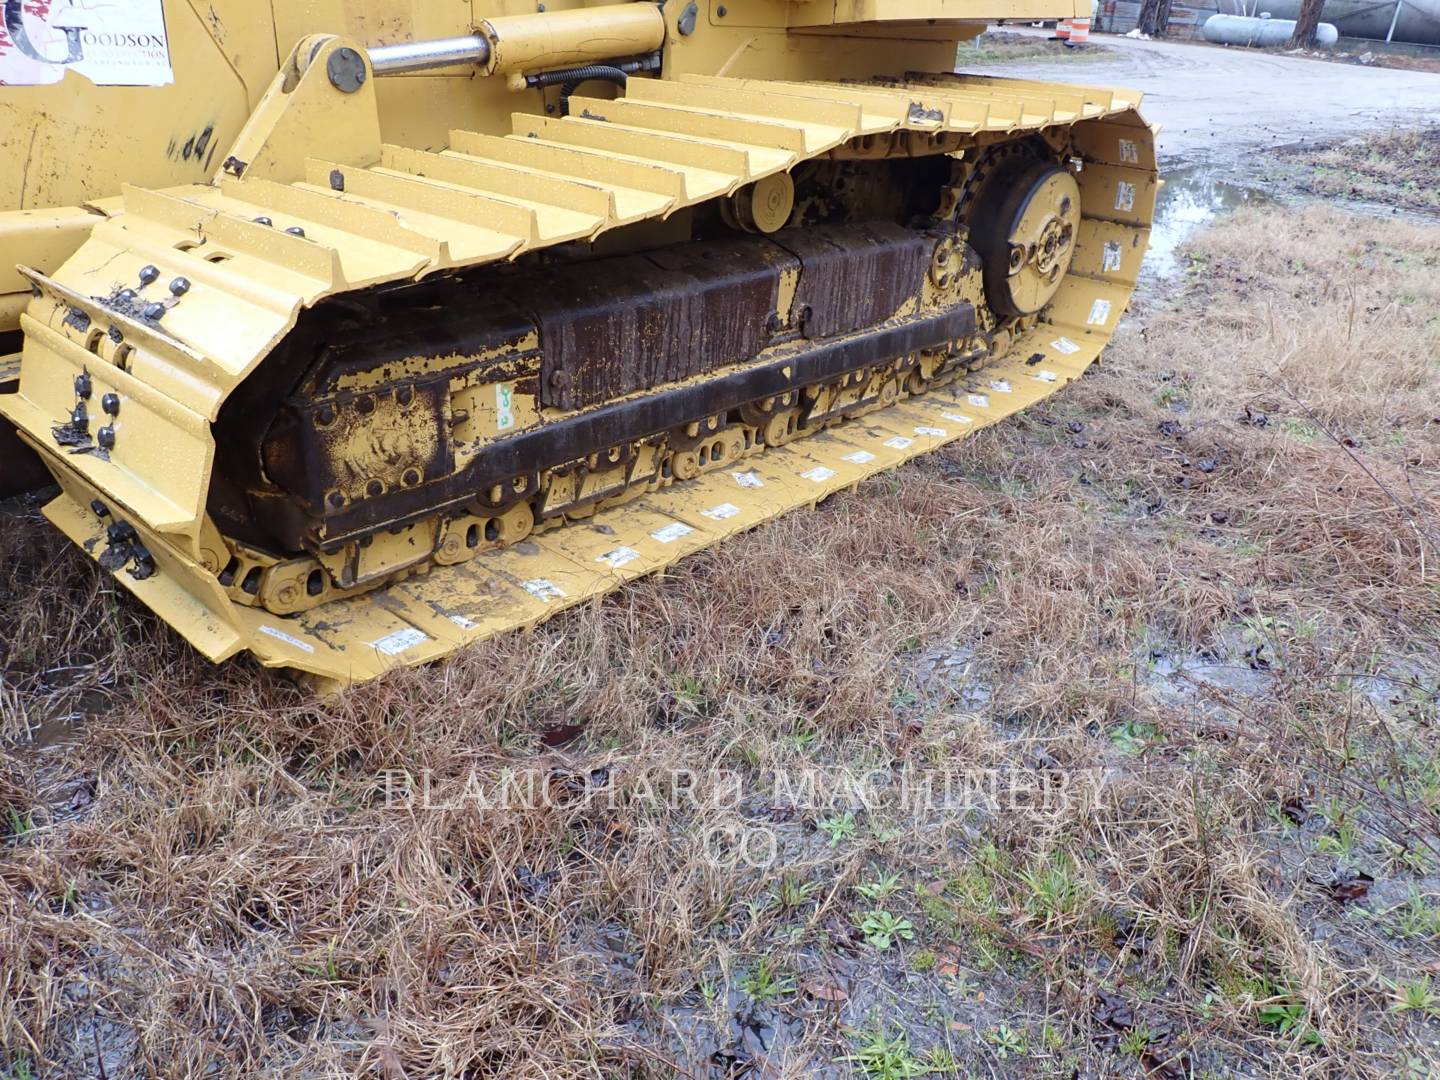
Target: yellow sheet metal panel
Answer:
[[67, 142], [882, 11], [158, 465], [176, 592], [373, 22], [40, 238]]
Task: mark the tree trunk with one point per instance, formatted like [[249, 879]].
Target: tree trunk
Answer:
[[1154, 17], [1306, 23]]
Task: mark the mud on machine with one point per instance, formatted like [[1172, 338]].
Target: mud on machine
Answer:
[[375, 328]]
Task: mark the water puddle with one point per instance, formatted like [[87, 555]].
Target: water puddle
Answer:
[[64, 724], [1190, 198], [66, 699]]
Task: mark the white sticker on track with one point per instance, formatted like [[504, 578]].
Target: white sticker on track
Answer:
[[721, 512], [859, 457], [1099, 313], [289, 639], [1110, 256], [464, 623], [1000, 386], [932, 432], [543, 589], [819, 474], [504, 405], [1124, 195], [1064, 345], [1129, 152], [401, 640], [748, 479], [1046, 376], [668, 534], [899, 442], [111, 44], [958, 417], [619, 557], [980, 401]]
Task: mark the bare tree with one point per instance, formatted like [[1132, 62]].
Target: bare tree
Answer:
[[1306, 23], [1154, 17]]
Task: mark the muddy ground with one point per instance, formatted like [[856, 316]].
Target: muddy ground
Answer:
[[1099, 744]]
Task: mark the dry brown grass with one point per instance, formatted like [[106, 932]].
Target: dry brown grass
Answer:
[[208, 877], [1007, 47], [1398, 168]]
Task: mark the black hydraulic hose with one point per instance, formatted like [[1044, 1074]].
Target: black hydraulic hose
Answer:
[[597, 71], [569, 79]]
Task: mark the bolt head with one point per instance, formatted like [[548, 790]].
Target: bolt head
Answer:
[[346, 70]]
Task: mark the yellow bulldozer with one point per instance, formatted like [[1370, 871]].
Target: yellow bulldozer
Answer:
[[352, 331]]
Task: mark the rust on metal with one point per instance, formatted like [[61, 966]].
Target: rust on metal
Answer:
[[854, 276], [615, 326]]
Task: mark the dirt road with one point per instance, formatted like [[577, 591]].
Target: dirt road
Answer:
[[1213, 102]]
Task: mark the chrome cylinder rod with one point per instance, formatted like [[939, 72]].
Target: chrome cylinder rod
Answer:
[[424, 55]]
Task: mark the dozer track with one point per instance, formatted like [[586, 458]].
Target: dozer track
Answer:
[[272, 355]]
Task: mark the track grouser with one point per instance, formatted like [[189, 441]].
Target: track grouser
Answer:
[[438, 325]]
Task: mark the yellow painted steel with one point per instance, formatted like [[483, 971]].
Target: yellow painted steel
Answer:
[[74, 143], [428, 617], [352, 198], [582, 35]]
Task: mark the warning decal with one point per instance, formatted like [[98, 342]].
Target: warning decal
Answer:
[[110, 42]]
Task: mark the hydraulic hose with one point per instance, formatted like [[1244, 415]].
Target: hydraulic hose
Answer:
[[569, 79]]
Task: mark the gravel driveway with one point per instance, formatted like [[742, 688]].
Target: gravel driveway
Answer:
[[1214, 103]]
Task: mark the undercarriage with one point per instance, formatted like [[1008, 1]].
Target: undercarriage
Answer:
[[403, 462]]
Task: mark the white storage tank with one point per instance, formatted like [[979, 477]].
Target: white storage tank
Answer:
[[1263, 31], [1415, 21]]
